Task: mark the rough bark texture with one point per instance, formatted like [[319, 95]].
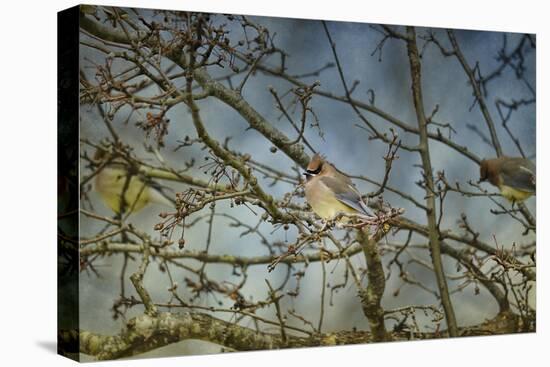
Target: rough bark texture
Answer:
[[371, 297], [435, 250], [155, 328], [230, 97], [145, 333]]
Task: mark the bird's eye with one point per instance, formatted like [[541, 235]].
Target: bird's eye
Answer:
[[314, 172]]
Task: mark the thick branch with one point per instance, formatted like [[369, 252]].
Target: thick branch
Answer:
[[106, 248], [474, 242], [145, 333], [254, 119], [267, 201], [371, 297], [218, 90], [435, 250], [137, 281]]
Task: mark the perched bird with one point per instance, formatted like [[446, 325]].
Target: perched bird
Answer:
[[115, 178], [515, 177], [329, 191]]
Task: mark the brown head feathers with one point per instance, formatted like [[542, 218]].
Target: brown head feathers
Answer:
[[315, 165]]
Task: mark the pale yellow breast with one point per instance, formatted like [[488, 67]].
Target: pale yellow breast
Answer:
[[514, 194], [323, 202], [110, 183]]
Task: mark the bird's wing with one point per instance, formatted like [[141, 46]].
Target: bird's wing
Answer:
[[346, 193], [519, 174]]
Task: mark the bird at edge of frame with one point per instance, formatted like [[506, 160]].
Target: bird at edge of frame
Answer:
[[515, 177], [115, 178], [329, 191]]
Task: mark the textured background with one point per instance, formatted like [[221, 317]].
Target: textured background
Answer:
[[347, 146]]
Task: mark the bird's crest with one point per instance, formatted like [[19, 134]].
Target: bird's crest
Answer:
[[315, 164]]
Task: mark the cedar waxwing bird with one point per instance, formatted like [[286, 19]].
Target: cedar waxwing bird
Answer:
[[515, 177], [115, 178], [329, 192]]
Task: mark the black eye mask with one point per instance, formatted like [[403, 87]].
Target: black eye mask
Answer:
[[311, 172]]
